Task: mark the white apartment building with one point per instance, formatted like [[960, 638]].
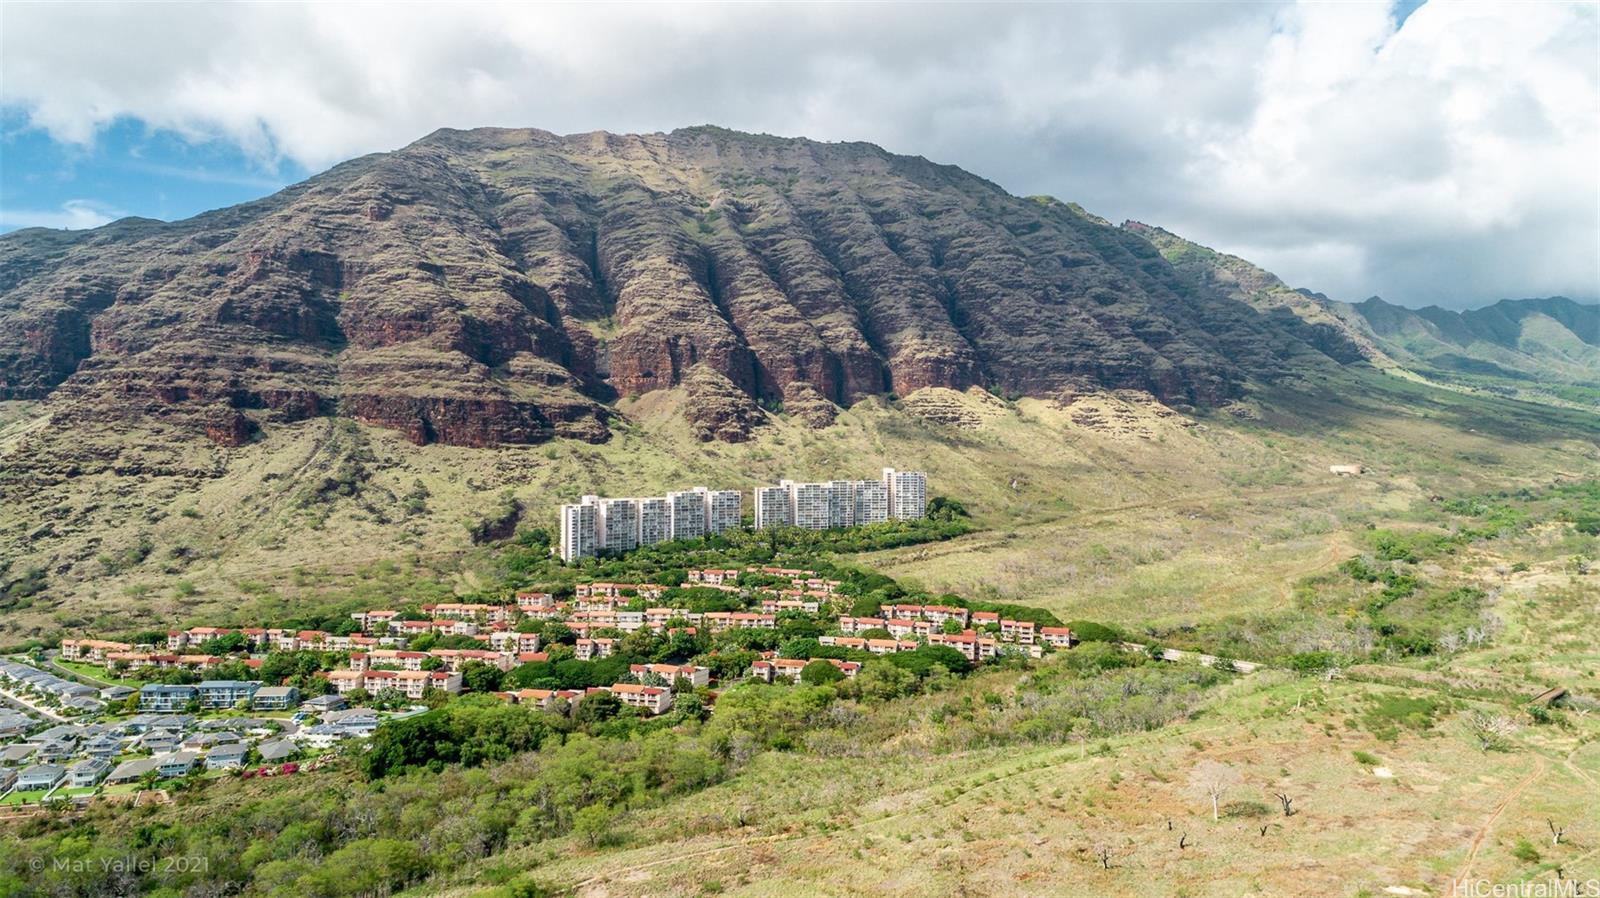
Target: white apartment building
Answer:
[[655, 521], [773, 508], [871, 501], [578, 531], [618, 525], [810, 504], [687, 513], [841, 503], [724, 508], [908, 493]]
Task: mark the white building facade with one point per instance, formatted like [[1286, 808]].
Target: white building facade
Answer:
[[908, 494], [619, 525], [578, 531], [687, 513]]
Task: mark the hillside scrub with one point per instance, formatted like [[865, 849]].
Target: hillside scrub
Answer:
[[475, 778]]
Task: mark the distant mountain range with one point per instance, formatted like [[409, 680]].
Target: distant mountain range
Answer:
[[1510, 346]]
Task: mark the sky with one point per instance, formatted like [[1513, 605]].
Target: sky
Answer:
[[1431, 153]]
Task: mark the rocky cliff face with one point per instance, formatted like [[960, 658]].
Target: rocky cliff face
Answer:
[[505, 286]]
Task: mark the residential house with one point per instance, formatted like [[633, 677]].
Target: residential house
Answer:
[[277, 750], [1059, 637], [131, 771], [88, 772], [40, 776], [590, 649], [178, 763], [225, 756]]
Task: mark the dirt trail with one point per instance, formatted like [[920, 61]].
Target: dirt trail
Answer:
[[1494, 816]]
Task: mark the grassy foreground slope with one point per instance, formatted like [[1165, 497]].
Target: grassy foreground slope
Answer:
[[1393, 787]]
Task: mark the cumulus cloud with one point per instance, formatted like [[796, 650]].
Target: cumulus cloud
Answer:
[[1449, 159], [73, 214]]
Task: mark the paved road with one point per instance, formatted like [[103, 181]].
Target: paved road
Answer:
[[1207, 660], [15, 699]]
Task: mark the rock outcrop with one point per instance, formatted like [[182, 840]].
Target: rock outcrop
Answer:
[[498, 286]]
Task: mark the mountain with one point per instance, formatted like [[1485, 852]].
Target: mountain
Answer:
[[269, 405], [1550, 340], [493, 287], [1539, 349]]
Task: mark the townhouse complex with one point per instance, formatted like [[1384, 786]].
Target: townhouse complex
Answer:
[[612, 526]]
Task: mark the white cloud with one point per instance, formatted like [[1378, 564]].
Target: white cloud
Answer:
[[73, 215], [1431, 162]]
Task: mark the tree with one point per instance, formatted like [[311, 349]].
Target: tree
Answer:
[[881, 681], [820, 673], [1492, 732], [1213, 779], [597, 707], [1287, 802], [593, 823], [479, 676]]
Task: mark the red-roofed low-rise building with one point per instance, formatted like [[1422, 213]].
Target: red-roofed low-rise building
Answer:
[[1059, 637], [91, 650], [670, 674], [651, 699], [590, 649]]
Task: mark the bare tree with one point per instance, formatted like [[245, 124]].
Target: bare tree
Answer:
[[1264, 828], [1183, 841], [1213, 779], [1556, 833], [1287, 802], [1105, 851], [1492, 732]]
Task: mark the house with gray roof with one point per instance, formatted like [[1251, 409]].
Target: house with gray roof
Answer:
[[131, 771], [277, 750], [88, 772], [40, 776], [275, 698], [178, 763], [225, 756]]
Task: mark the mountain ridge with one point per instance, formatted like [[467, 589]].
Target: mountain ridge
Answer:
[[508, 285]]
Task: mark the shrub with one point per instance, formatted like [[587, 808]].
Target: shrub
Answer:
[[1089, 631]]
